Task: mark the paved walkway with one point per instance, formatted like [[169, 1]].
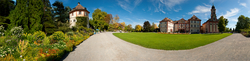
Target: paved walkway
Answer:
[[107, 47]]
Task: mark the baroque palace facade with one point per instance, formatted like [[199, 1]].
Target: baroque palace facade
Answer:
[[192, 25]]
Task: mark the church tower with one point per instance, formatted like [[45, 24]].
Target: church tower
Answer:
[[213, 14]]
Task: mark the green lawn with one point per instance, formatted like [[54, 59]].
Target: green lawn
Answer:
[[170, 41]]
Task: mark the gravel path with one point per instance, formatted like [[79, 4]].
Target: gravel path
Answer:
[[107, 47]]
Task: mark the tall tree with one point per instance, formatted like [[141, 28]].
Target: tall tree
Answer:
[[6, 6], [28, 14], [146, 26], [243, 23], [98, 20], [221, 24], [47, 21], [99, 15], [116, 19], [108, 18], [138, 28], [129, 27], [152, 27], [61, 13], [123, 25]]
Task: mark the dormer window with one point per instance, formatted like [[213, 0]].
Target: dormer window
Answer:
[[80, 12]]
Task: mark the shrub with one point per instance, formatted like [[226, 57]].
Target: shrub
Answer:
[[69, 45], [60, 45], [22, 45], [39, 35], [46, 41], [2, 31], [8, 58], [17, 31], [4, 50], [2, 40], [58, 36]]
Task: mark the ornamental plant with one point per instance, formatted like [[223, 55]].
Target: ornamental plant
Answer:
[[58, 36], [17, 31], [39, 35], [2, 30]]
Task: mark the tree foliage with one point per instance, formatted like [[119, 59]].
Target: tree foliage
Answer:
[[138, 28], [108, 18], [98, 20], [129, 27], [243, 23], [123, 25], [47, 20], [27, 14], [61, 13], [221, 24], [6, 6], [146, 26], [116, 19], [82, 21]]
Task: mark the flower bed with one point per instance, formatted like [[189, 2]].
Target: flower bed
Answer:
[[38, 46]]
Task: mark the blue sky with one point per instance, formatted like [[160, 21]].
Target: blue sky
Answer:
[[137, 11]]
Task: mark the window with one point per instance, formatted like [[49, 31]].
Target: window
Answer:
[[194, 21], [197, 30], [85, 13], [191, 21], [191, 30], [197, 25], [80, 12], [194, 25], [191, 25], [197, 21], [73, 14]]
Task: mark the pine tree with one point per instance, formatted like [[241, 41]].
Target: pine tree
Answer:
[[27, 14]]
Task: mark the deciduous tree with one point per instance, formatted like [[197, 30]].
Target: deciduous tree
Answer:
[[138, 28], [243, 23], [221, 24], [146, 26]]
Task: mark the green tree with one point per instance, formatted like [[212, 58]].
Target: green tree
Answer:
[[6, 6], [98, 20], [129, 27], [221, 24], [243, 23], [28, 15], [146, 26], [47, 20], [152, 27]]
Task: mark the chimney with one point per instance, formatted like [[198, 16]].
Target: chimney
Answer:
[[78, 3]]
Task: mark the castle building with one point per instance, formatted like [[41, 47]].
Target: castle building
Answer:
[[166, 25], [211, 25], [78, 11]]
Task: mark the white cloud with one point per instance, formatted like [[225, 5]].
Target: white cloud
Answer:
[[149, 8], [160, 5], [177, 10], [201, 9], [243, 4], [231, 13], [126, 4]]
